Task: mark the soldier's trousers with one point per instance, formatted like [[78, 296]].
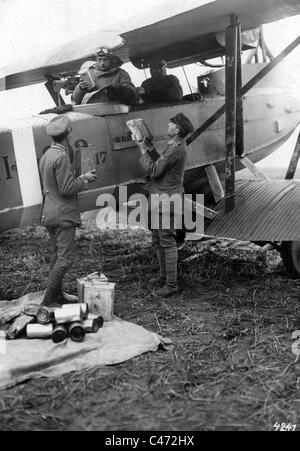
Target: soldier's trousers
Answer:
[[62, 248], [164, 241]]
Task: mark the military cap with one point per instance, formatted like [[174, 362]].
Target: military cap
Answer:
[[183, 123], [58, 126], [158, 64]]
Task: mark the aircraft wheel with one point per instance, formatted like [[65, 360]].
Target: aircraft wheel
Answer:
[[290, 253]]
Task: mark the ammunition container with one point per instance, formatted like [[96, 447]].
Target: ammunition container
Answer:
[[99, 319], [100, 298], [39, 330], [84, 308], [86, 280], [91, 326], [59, 334], [77, 332], [31, 310], [45, 315], [68, 315]]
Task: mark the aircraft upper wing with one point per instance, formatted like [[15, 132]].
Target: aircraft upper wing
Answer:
[[66, 57], [196, 26], [179, 32]]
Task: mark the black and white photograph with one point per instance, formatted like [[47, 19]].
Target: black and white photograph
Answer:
[[150, 218]]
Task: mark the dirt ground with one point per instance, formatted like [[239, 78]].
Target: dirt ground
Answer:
[[231, 366]]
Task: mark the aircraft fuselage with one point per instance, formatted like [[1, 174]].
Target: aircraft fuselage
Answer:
[[270, 116]]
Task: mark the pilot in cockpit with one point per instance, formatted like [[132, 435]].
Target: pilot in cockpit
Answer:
[[105, 81], [160, 88]]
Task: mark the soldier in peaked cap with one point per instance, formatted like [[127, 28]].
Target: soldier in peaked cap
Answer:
[[166, 172], [110, 82], [160, 88], [60, 212]]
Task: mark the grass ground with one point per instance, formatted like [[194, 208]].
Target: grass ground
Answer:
[[231, 367]]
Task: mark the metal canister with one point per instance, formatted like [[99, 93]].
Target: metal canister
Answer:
[[59, 334], [39, 330], [84, 308], [45, 315], [31, 310], [97, 318], [68, 315], [77, 332], [91, 326]]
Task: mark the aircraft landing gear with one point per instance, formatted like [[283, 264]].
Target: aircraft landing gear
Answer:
[[290, 254]]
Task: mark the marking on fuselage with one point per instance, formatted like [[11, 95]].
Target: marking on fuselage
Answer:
[[6, 168], [27, 165]]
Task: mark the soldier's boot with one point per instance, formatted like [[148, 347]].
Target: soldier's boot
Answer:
[[171, 287], [59, 300], [53, 295], [161, 278], [69, 298]]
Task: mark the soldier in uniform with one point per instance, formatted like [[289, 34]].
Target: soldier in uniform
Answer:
[[110, 82], [60, 211], [166, 172], [160, 88]]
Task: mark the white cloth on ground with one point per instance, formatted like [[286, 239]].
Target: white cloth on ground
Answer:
[[116, 342]]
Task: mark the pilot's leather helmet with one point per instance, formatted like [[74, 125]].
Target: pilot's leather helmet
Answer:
[[183, 123], [103, 51], [59, 125], [108, 52]]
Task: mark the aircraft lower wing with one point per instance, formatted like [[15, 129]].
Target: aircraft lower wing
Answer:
[[265, 210]]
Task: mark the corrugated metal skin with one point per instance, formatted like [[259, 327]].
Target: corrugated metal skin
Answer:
[[264, 211]]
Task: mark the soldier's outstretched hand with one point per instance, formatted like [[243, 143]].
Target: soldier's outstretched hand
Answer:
[[91, 176]]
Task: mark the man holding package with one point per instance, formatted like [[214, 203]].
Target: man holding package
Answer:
[[105, 81], [166, 172], [60, 210]]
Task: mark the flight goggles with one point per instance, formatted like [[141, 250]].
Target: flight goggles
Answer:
[[103, 51]]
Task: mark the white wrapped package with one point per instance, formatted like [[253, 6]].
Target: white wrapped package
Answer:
[[140, 130]]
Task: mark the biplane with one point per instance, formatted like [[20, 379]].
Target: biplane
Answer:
[[240, 113]]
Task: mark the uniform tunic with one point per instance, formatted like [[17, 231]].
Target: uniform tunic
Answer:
[[60, 214], [166, 170], [60, 188], [167, 173], [122, 91], [165, 89]]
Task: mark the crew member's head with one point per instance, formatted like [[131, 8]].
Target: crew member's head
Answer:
[[158, 69], [59, 128], [180, 125], [106, 60]]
